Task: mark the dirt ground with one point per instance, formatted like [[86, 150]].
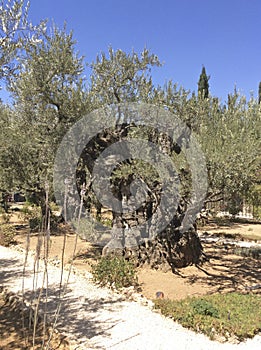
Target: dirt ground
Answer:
[[222, 272], [13, 336]]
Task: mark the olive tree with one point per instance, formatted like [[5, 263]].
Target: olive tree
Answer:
[[117, 79], [49, 96], [16, 31], [230, 137]]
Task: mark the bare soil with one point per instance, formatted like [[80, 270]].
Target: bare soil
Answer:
[[13, 336], [222, 272]]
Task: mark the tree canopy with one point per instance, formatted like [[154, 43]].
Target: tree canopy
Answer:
[[16, 31], [50, 94]]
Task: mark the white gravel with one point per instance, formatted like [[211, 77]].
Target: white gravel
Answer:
[[97, 318]]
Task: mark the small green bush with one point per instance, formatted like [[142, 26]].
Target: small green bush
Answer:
[[32, 214], [203, 307], [114, 271], [7, 234], [106, 222]]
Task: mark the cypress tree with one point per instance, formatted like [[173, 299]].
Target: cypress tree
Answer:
[[259, 93], [203, 84]]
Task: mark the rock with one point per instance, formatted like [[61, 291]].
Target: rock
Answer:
[[159, 295]]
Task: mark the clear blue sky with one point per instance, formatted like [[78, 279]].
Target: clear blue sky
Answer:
[[223, 35]]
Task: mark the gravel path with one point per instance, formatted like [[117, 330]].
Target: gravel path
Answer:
[[97, 318]]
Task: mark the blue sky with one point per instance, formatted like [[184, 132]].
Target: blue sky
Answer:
[[223, 35]]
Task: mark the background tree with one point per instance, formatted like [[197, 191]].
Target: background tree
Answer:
[[230, 138], [203, 85], [49, 96], [121, 77]]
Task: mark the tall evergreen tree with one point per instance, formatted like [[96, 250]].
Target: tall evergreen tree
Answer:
[[203, 85], [259, 93]]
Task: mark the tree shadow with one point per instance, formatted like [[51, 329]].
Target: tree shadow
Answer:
[[15, 334], [93, 252], [81, 316], [8, 270], [225, 272], [77, 316], [233, 222]]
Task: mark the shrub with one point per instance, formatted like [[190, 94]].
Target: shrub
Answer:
[[7, 234], [203, 307], [32, 214], [106, 222], [114, 271]]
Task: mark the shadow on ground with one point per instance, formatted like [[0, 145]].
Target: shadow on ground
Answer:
[[8, 270], [78, 316], [226, 272]]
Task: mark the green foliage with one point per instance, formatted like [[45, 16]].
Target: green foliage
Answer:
[[50, 94], [235, 204], [257, 212], [7, 234], [5, 217], [121, 77], [29, 211], [203, 307], [226, 315], [254, 199], [16, 31], [49, 97], [114, 271], [105, 221], [230, 139], [32, 214]]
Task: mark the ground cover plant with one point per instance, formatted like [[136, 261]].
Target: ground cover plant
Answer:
[[231, 315]]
